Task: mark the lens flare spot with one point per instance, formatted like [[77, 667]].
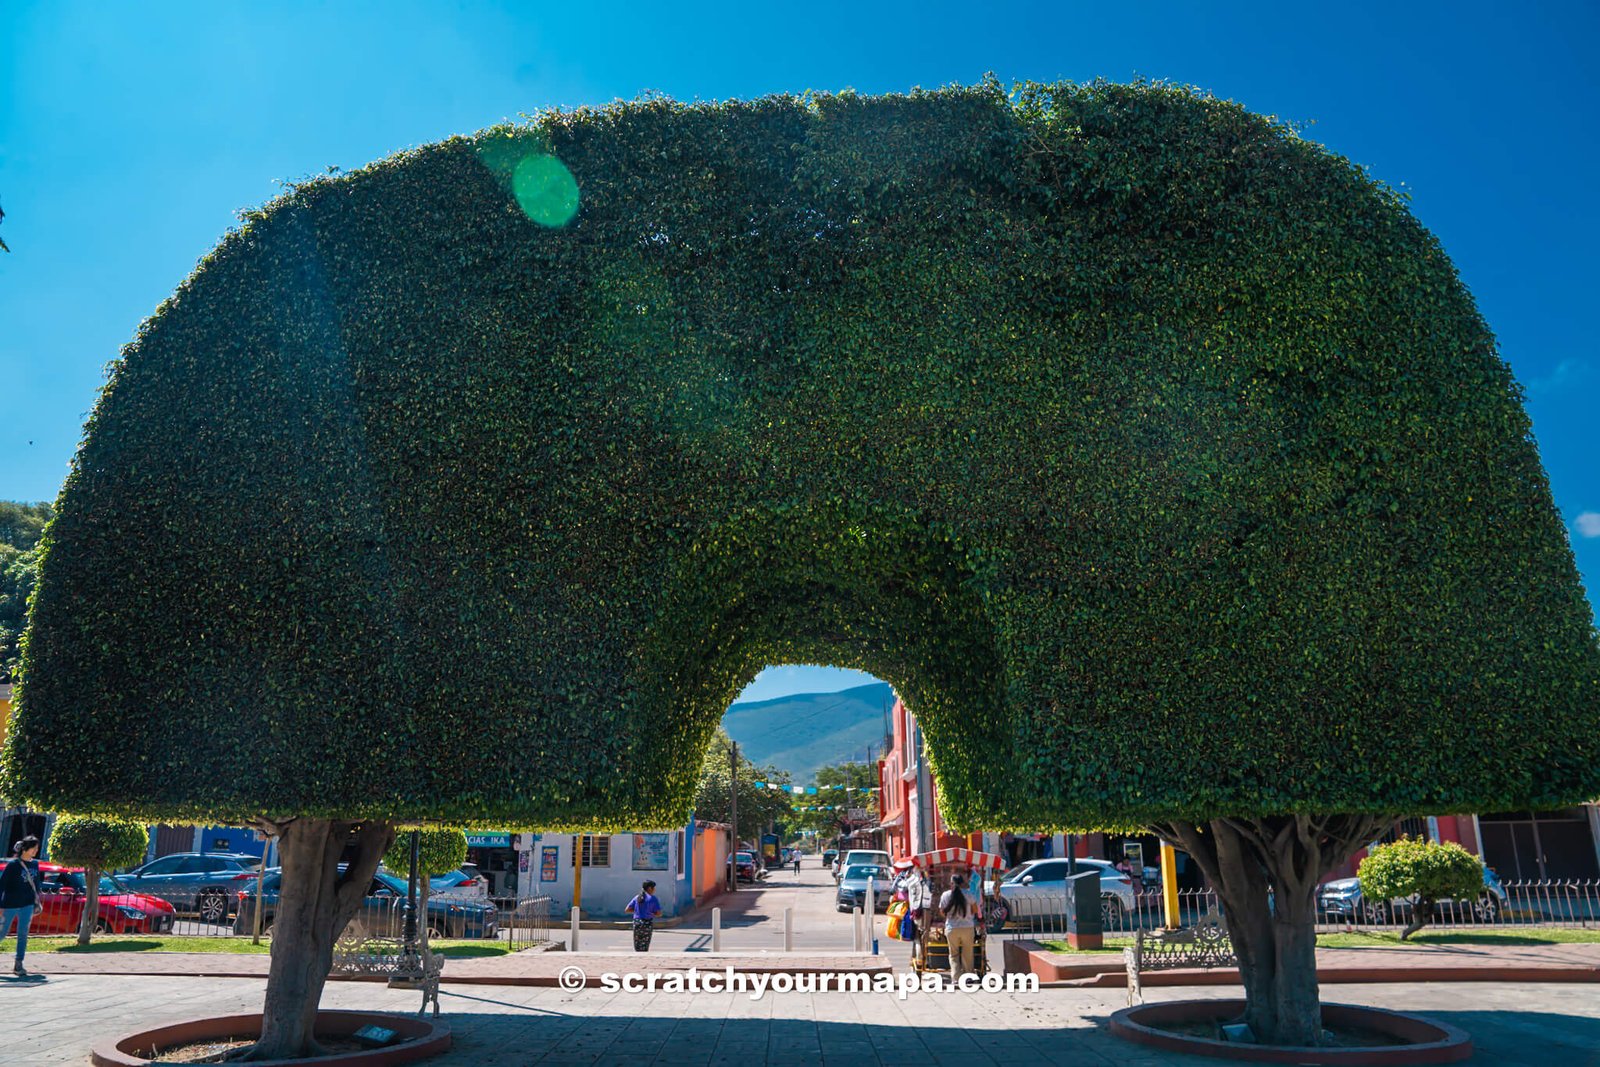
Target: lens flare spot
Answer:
[[545, 190]]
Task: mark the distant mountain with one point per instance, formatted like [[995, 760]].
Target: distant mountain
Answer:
[[800, 733]]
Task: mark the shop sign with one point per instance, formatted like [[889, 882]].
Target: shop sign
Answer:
[[489, 840]]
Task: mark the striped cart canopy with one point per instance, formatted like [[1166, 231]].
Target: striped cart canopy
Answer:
[[966, 857]]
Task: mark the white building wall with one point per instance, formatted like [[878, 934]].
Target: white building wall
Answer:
[[605, 889]]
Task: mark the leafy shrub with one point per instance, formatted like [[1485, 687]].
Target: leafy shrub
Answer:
[[440, 850], [1428, 871], [96, 843]]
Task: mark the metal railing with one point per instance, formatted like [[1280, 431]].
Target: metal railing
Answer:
[[1545, 903], [527, 923], [524, 923]]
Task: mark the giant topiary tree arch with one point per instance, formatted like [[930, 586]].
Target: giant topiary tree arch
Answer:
[[1158, 456]]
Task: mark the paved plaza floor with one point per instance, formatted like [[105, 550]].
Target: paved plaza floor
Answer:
[[53, 1021]]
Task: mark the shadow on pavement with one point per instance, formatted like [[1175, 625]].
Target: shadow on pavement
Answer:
[[525, 1038], [1527, 1036]]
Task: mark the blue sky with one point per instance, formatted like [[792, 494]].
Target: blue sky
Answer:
[[130, 134]]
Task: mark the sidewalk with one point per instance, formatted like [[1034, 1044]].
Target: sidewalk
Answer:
[[53, 1022], [1418, 963], [516, 969], [1421, 963]]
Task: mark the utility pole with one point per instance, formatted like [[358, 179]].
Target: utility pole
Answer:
[[733, 814], [577, 871]]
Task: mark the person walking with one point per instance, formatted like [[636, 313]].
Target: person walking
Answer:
[[644, 908], [797, 865], [960, 926], [19, 896]]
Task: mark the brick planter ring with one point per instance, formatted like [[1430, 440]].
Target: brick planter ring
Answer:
[[1416, 1040], [419, 1039]]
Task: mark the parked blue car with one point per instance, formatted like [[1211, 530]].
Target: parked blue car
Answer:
[[380, 914], [1341, 898], [202, 883]]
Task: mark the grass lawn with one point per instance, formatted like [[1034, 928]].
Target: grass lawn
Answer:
[[175, 943], [1527, 935], [1112, 945]]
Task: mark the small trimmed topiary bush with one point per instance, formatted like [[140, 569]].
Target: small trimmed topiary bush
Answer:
[[440, 850], [97, 843], [1424, 872]]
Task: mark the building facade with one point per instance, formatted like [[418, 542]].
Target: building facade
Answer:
[[614, 867], [908, 799]]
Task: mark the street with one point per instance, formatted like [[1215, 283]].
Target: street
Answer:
[[752, 921]]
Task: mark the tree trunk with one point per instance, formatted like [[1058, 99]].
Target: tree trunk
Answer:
[[315, 903], [1421, 915], [1298, 1012], [91, 904], [1265, 872]]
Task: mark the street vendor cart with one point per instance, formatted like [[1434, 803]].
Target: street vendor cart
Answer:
[[929, 950]]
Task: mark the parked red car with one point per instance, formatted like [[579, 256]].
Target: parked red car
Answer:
[[120, 912]]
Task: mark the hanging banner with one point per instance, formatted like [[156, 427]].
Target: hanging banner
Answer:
[[650, 852], [547, 863]]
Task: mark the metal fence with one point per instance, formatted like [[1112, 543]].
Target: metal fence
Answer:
[[527, 923], [1550, 903], [522, 922]]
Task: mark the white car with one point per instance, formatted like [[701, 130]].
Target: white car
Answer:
[[857, 856], [1039, 888], [464, 883]]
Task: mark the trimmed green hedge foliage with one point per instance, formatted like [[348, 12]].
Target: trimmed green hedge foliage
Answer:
[[440, 850], [1430, 870], [1156, 455], [98, 842]]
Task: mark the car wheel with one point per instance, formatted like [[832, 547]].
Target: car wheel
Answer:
[[102, 927], [1110, 913], [213, 906], [435, 931], [998, 915], [1376, 914], [1486, 910]]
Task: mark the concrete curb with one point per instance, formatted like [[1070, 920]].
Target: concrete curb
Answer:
[[1109, 972]]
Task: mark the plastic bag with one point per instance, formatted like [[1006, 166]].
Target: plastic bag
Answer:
[[897, 911]]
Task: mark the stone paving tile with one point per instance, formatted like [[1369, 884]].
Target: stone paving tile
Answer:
[[52, 1023]]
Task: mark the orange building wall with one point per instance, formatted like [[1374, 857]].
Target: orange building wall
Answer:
[[710, 860]]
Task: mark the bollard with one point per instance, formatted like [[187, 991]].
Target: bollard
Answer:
[[871, 932], [788, 929], [716, 929], [855, 929], [575, 919]]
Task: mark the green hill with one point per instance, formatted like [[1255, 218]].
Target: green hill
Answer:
[[809, 730]]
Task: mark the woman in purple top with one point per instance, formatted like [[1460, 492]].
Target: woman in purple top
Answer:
[[644, 908]]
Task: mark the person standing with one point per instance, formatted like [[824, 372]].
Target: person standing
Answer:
[[644, 908], [797, 865], [19, 896], [960, 926]]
